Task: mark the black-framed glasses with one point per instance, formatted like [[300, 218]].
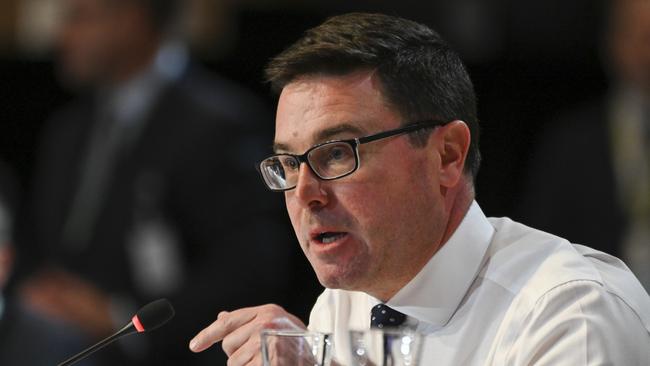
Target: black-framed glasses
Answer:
[[328, 160]]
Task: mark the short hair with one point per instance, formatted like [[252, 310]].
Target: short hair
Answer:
[[421, 76]]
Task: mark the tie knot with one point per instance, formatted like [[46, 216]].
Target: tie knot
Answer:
[[381, 316]]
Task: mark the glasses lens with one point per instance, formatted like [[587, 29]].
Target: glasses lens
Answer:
[[333, 160], [280, 171]]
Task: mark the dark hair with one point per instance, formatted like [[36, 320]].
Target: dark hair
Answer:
[[421, 76]]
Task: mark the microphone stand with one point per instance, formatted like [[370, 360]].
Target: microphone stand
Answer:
[[128, 329]]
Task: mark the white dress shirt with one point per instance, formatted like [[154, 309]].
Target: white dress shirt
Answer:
[[501, 293]]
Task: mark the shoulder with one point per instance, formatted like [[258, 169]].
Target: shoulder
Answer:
[[564, 296], [576, 323], [217, 96], [527, 261], [530, 262], [211, 108]]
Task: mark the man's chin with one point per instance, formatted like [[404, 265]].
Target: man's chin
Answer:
[[337, 279]]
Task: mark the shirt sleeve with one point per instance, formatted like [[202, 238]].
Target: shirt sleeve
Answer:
[[580, 323]]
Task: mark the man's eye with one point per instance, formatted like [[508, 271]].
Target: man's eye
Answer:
[[337, 153], [290, 164]]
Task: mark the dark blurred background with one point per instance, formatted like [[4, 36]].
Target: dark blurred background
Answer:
[[532, 63], [528, 59]]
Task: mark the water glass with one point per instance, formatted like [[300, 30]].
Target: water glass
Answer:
[[385, 348], [295, 348]]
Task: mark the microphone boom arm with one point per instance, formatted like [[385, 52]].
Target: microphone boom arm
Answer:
[[128, 329]]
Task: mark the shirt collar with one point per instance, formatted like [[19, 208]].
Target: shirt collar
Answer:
[[435, 293]]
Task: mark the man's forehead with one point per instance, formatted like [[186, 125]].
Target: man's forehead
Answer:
[[317, 92], [361, 77], [319, 108]]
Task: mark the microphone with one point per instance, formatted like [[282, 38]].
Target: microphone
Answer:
[[148, 318]]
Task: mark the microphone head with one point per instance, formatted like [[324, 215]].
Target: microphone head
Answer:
[[153, 315]]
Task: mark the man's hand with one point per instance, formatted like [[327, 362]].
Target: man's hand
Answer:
[[66, 297], [239, 332]]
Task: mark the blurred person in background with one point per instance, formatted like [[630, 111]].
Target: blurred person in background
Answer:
[[22, 330], [590, 176], [144, 187]]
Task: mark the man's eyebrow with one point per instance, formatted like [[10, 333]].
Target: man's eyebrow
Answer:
[[279, 147], [333, 132], [324, 135]]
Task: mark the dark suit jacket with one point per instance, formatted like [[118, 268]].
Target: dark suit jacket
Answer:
[[26, 339], [194, 160], [571, 189]]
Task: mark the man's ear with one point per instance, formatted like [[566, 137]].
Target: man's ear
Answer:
[[453, 144]]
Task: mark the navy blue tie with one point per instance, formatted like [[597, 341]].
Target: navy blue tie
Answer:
[[381, 316]]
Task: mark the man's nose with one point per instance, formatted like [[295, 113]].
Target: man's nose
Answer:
[[309, 188]]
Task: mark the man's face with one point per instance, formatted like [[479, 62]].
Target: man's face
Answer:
[[372, 230], [95, 36]]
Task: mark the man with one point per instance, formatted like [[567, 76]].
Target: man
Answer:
[[144, 187], [613, 155], [376, 150]]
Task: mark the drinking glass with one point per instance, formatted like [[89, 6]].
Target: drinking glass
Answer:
[[295, 348], [385, 348]]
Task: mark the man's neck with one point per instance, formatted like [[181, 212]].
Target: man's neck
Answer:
[[461, 202], [457, 201]]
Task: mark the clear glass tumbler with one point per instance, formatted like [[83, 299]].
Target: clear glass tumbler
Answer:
[[385, 348], [295, 348]]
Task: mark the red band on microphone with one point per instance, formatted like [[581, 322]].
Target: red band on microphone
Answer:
[[138, 325]]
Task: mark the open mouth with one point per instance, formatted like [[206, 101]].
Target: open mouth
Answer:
[[328, 237]]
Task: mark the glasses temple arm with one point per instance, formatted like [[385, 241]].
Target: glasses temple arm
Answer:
[[405, 129]]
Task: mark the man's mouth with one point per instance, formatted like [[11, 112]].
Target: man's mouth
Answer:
[[328, 237]]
